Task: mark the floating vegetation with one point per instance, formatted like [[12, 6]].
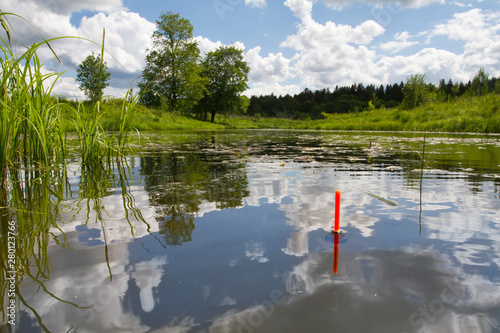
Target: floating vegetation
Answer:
[[390, 202]]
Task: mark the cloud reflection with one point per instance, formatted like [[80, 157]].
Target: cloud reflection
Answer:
[[407, 290], [147, 276]]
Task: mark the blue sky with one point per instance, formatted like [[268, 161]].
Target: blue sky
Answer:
[[289, 45]]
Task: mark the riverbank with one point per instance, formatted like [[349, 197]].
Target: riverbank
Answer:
[[467, 114]]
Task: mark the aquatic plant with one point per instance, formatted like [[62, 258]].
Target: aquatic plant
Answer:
[[30, 130]]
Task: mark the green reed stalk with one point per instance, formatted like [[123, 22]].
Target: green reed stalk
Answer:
[[128, 108], [29, 116]]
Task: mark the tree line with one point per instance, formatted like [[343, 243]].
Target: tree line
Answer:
[[358, 97]]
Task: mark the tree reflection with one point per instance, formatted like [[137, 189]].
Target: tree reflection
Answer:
[[178, 184]]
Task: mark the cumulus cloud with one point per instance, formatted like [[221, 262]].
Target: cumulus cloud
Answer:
[[330, 53], [474, 26], [269, 74], [399, 43], [318, 55], [301, 8], [127, 37], [273, 68], [206, 45], [479, 31], [431, 61], [278, 89]]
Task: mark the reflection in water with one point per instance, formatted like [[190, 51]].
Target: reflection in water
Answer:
[[336, 241], [225, 232], [147, 275], [41, 205], [178, 184]]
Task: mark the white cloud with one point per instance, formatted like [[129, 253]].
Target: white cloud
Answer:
[[273, 68], [476, 27], [323, 54], [206, 45], [401, 42], [435, 63], [300, 8], [127, 37], [329, 54], [278, 89], [256, 3], [479, 31], [333, 54]]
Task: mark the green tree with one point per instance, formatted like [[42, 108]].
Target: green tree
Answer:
[[93, 76], [227, 75], [416, 92], [479, 85], [171, 77]]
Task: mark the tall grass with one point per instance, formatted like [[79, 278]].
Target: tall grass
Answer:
[[29, 115], [33, 150], [32, 131], [95, 143]]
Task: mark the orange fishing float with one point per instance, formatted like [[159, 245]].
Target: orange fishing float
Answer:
[[336, 229]]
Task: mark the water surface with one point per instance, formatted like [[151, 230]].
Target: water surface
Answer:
[[230, 232]]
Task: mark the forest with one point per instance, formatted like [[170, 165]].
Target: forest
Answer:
[[358, 97]]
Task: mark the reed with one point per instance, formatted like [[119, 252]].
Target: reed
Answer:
[[29, 116], [125, 129], [92, 139]]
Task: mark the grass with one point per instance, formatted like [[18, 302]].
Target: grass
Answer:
[[466, 114], [29, 116]]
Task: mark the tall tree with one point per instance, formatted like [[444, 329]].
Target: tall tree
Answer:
[[416, 92], [93, 76], [171, 77], [479, 85], [227, 74]]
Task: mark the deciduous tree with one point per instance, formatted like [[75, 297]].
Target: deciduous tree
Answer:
[[171, 77], [93, 76], [227, 75], [416, 92], [479, 85]]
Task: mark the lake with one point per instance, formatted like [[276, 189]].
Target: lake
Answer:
[[230, 231]]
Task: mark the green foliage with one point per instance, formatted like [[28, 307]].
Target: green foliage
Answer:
[[464, 114], [93, 77], [95, 142], [479, 86], [416, 92], [342, 100], [227, 74], [171, 78]]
